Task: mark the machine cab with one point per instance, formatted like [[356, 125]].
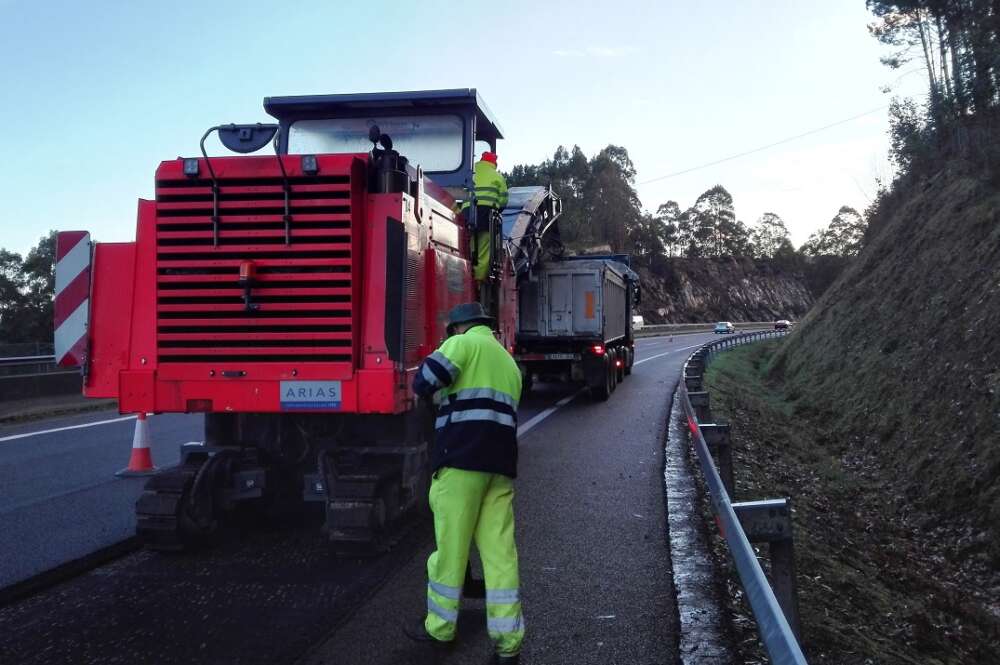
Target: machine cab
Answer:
[[439, 131]]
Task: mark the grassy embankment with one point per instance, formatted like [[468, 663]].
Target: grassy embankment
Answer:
[[875, 585]]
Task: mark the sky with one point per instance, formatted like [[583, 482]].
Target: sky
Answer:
[[97, 94]]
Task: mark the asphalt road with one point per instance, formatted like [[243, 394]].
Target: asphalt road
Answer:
[[60, 499], [591, 528], [596, 577]]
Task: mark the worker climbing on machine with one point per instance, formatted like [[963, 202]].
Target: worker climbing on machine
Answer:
[[491, 194], [474, 463]]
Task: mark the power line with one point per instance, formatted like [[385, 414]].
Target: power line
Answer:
[[764, 147]]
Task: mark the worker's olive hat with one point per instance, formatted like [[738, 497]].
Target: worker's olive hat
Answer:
[[468, 312]]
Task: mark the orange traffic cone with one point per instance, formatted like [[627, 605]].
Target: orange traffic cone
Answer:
[[141, 461]]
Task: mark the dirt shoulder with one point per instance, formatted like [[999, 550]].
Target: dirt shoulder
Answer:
[[880, 581]]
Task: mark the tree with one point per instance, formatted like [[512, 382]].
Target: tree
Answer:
[[611, 199], [600, 205], [687, 241], [26, 290], [910, 134], [11, 295], [829, 250], [39, 277], [847, 230], [768, 234], [645, 240], [713, 225], [668, 215], [738, 241], [786, 258], [956, 43], [843, 236], [904, 26], [568, 172]]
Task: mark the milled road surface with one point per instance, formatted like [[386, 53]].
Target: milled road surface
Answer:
[[61, 499], [591, 528]]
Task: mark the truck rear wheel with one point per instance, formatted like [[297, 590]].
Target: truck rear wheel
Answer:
[[613, 371], [603, 390]]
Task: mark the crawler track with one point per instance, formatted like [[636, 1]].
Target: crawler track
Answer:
[[161, 508]]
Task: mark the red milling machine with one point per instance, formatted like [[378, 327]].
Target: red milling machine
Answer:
[[290, 297]]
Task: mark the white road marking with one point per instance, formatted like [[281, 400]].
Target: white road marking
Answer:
[[526, 427], [666, 353], [63, 429]]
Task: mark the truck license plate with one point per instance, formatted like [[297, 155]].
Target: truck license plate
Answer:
[[310, 395]]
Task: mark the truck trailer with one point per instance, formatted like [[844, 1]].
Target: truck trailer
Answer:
[[575, 323]]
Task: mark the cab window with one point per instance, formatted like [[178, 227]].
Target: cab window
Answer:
[[433, 142]]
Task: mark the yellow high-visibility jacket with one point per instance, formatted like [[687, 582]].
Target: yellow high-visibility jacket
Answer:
[[490, 186], [476, 427]]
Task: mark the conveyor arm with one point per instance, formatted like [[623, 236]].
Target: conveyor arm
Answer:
[[529, 226]]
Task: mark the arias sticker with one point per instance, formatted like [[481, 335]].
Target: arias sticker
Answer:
[[310, 395]]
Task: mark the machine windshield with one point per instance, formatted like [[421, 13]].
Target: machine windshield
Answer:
[[433, 142]]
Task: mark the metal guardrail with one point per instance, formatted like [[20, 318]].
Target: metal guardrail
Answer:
[[26, 349], [654, 329], [27, 360], [16, 368], [760, 521]]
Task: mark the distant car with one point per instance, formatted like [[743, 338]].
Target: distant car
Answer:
[[782, 324], [637, 322], [724, 328]]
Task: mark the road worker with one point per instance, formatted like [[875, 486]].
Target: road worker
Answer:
[[474, 463], [491, 194]]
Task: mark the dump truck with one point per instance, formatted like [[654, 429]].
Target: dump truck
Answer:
[[575, 322]]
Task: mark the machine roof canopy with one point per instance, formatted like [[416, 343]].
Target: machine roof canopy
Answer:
[[349, 105]]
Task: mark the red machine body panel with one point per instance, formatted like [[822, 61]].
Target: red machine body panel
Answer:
[[111, 305], [172, 330]]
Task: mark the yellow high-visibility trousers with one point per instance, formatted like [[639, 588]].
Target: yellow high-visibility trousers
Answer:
[[482, 267], [473, 505]]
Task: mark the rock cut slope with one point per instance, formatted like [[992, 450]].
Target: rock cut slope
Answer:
[[721, 289]]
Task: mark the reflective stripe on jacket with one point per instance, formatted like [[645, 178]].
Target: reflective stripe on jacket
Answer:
[[476, 426], [490, 186]]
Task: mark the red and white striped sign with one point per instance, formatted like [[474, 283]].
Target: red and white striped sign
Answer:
[[72, 305]]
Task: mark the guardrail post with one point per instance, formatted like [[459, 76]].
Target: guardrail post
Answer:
[[693, 382], [770, 521], [700, 402], [720, 443]]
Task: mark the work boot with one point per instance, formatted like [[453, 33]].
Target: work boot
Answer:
[[416, 631], [499, 659]]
